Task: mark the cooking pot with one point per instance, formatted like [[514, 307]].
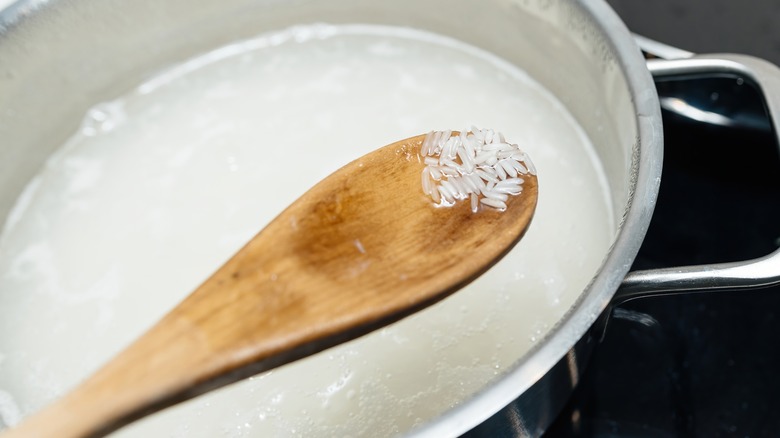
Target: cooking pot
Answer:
[[58, 58]]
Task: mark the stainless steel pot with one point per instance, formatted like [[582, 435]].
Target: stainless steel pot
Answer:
[[58, 57]]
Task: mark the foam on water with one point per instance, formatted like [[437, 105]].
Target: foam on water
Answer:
[[10, 414], [159, 187]]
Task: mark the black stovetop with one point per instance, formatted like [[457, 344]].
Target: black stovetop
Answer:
[[704, 364]]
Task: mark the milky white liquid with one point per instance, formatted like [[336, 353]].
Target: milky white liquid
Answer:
[[159, 187]]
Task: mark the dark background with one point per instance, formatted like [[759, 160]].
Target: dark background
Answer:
[[708, 364], [707, 26]]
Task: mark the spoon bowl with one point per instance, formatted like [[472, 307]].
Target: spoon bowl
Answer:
[[361, 249]]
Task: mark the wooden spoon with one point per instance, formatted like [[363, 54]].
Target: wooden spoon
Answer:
[[363, 248]]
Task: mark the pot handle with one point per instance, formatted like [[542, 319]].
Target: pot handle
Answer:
[[751, 274]]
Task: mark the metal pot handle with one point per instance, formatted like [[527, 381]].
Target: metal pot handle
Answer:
[[750, 274]]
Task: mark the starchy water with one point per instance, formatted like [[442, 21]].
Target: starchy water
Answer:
[[159, 187]]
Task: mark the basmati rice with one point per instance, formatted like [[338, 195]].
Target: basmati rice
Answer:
[[477, 164]]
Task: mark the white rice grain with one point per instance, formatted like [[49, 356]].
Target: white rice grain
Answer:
[[451, 189], [508, 167], [435, 195], [426, 146], [466, 159], [487, 176], [510, 182], [493, 194], [493, 203], [445, 194], [500, 171], [469, 182], [427, 184], [449, 171], [508, 190], [430, 161], [520, 168]]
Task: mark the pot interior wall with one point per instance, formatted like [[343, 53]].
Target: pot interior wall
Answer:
[[58, 58]]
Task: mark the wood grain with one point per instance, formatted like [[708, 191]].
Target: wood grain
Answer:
[[363, 248]]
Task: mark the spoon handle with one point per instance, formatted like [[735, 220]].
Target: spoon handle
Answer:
[[194, 349], [267, 306]]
